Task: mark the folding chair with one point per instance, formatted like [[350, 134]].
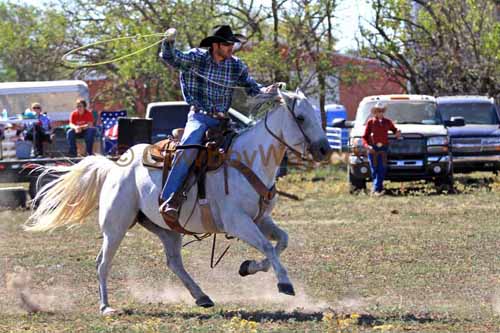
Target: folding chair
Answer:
[[109, 121]]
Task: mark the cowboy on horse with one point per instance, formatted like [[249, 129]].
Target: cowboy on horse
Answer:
[[208, 78]]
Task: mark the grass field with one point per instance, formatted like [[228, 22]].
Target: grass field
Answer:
[[409, 261]]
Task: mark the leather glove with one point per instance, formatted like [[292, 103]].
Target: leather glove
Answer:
[[170, 35]]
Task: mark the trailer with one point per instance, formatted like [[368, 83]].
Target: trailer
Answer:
[[57, 98]]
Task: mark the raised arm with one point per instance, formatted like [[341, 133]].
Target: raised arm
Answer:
[[173, 57]]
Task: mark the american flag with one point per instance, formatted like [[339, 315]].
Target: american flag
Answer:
[[109, 121]]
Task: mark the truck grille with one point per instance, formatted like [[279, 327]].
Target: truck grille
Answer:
[[474, 145], [407, 146]]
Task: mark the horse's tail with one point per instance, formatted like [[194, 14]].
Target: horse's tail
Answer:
[[70, 198]]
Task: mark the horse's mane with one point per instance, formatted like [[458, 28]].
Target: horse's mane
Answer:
[[263, 103]]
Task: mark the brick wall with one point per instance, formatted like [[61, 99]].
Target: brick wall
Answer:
[[97, 100], [375, 82]]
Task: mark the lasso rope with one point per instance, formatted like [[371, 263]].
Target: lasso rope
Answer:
[[79, 65], [76, 64]]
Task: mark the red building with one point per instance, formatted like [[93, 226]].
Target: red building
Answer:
[[371, 78]]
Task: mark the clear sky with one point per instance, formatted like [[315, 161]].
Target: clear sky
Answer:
[[347, 18]]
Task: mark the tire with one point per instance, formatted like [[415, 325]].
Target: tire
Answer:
[[445, 184], [355, 184], [12, 197], [34, 187]]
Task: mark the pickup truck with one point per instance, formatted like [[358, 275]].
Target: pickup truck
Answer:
[[168, 116], [422, 153], [475, 146]]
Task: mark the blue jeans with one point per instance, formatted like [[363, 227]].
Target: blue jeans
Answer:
[[87, 134], [194, 131], [378, 167]]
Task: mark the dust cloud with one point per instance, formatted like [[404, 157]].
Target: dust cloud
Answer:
[[227, 287], [22, 296]]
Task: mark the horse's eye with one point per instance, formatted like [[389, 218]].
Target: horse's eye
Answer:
[[300, 118]]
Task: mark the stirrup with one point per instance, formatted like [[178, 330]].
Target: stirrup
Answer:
[[169, 213]]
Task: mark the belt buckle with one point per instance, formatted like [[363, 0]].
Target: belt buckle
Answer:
[[379, 144]]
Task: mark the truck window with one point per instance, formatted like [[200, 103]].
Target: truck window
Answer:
[[167, 118], [473, 113], [404, 112]]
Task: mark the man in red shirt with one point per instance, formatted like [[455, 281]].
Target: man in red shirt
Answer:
[[376, 140], [81, 123]]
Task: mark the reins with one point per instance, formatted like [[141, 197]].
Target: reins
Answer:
[[297, 153], [212, 255]]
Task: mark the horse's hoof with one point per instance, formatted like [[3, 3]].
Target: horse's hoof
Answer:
[[107, 311], [204, 302], [286, 288], [244, 268]]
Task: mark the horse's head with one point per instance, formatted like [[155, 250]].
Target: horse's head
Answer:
[[304, 126]]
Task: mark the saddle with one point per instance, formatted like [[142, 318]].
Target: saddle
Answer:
[[211, 156], [211, 152]]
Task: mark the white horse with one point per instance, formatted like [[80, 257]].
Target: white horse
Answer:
[[128, 192]]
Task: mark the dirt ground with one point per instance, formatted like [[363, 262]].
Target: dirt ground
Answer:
[[411, 260]]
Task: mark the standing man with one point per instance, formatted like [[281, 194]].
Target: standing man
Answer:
[[376, 140], [39, 131], [81, 123], [208, 78]]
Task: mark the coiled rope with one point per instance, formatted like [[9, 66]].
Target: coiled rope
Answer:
[[75, 64]]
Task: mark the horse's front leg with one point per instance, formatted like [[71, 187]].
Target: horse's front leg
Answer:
[[271, 230], [243, 227], [172, 243]]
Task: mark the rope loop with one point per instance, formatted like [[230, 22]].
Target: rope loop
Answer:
[[75, 64]]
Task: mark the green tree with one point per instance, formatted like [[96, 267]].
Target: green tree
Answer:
[[437, 47], [295, 44], [32, 43]]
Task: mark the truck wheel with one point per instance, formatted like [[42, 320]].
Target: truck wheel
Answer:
[[445, 184], [34, 188], [355, 184]]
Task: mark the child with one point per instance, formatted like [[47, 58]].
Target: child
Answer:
[[376, 140]]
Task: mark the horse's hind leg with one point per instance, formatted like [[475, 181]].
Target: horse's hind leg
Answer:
[[272, 232], [114, 219], [172, 243], [242, 227]]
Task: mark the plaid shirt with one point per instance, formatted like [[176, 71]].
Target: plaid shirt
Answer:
[[200, 92]]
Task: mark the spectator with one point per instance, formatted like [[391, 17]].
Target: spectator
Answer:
[[81, 124], [376, 140], [38, 131]]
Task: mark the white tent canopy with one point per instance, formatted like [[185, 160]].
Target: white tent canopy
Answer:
[[56, 97]]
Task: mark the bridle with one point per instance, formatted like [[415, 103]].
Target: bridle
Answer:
[[302, 155]]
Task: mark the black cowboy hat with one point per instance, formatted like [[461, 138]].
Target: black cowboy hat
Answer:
[[222, 34]]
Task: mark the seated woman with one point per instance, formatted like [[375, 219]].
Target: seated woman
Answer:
[[38, 131]]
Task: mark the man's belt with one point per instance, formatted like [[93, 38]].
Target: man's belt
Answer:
[[379, 144], [215, 115]]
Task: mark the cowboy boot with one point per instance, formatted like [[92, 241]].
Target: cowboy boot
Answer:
[[170, 208]]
